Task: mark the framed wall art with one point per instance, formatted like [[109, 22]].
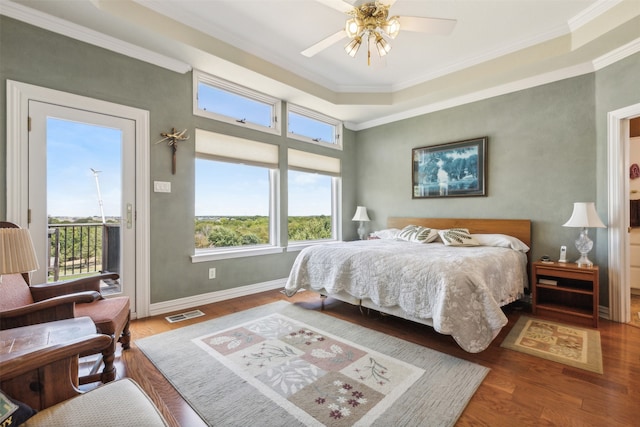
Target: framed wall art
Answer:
[[454, 169]]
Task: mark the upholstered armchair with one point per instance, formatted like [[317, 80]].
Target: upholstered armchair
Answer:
[[23, 305]]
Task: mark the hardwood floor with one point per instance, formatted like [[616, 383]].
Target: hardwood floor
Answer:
[[520, 390]]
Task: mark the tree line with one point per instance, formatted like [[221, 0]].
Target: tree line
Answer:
[[254, 230]]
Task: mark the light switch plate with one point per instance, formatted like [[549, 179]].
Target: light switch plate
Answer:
[[161, 187]]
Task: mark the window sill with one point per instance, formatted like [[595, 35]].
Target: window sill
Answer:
[[297, 247], [234, 253]]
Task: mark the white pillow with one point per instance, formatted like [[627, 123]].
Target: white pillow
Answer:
[[457, 237], [501, 241], [389, 233], [418, 234]]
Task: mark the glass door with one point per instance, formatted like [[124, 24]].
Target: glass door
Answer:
[[82, 195]]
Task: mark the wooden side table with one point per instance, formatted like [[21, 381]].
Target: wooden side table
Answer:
[[39, 363], [566, 292]]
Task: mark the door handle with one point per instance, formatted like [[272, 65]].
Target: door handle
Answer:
[[129, 215]]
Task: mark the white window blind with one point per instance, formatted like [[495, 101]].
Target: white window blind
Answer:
[[310, 162], [218, 146]]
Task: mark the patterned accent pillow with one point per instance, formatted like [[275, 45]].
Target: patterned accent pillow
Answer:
[[418, 234], [457, 237]]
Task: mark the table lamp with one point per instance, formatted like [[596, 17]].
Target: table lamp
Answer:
[[584, 216], [361, 215], [17, 254]]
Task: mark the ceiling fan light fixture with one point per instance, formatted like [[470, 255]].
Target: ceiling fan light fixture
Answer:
[[392, 27], [369, 21], [352, 47], [353, 27], [382, 45]]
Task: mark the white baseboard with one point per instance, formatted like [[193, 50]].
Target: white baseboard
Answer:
[[211, 297]]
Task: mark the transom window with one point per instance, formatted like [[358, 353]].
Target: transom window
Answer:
[[310, 126], [219, 99]]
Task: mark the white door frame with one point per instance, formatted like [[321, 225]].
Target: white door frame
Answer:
[[619, 257], [18, 96]]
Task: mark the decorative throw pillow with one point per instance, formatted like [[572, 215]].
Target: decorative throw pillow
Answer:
[[418, 234], [457, 237]]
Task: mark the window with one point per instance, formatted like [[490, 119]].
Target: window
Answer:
[[219, 99], [235, 195], [309, 126], [313, 195], [310, 205]]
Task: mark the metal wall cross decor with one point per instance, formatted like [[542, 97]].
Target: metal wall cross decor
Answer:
[[173, 138]]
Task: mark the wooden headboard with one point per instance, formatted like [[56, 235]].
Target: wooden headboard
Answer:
[[520, 228]]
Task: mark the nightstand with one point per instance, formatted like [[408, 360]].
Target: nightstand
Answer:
[[565, 292]]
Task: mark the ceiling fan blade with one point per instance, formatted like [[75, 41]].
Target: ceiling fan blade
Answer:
[[436, 26], [323, 44], [339, 5]]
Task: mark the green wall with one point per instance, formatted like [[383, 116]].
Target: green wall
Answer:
[[546, 150], [35, 56], [540, 159]]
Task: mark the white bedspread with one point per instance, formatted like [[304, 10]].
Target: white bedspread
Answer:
[[460, 288]]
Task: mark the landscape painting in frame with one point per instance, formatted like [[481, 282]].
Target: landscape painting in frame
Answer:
[[450, 170]]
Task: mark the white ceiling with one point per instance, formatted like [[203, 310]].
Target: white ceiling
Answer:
[[496, 46]]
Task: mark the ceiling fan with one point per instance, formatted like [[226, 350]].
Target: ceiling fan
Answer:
[[370, 23]]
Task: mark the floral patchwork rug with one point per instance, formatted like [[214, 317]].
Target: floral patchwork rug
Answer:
[[283, 365], [570, 345], [314, 375]]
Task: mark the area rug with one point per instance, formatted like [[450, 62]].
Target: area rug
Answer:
[[570, 345], [283, 365]]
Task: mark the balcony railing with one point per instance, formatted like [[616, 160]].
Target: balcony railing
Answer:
[[83, 249]]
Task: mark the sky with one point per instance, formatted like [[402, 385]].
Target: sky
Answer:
[[73, 149], [241, 190]]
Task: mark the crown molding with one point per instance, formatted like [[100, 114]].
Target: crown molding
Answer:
[[78, 32], [592, 12], [504, 89], [617, 54]]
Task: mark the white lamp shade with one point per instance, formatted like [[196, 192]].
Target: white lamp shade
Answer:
[[584, 215], [17, 254], [361, 214]]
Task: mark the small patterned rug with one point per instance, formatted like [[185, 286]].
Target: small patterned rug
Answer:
[[283, 365], [570, 345], [635, 311]]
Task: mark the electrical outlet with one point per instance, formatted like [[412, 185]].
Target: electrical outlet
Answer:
[[212, 273]]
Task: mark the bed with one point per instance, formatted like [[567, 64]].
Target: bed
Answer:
[[459, 291]]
